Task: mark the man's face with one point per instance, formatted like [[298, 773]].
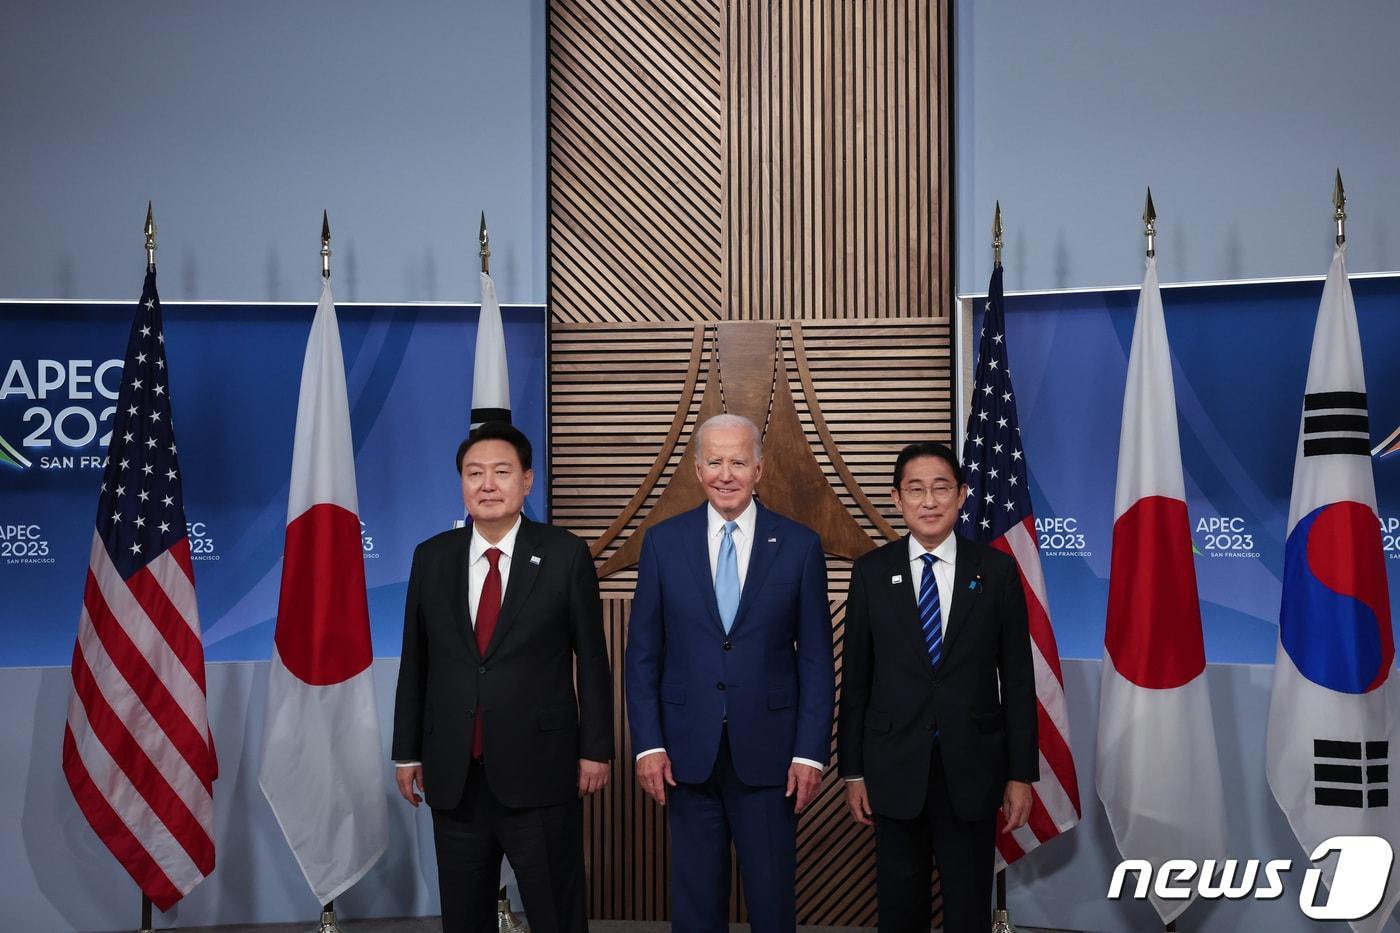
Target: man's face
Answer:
[[728, 470], [930, 499], [494, 486]]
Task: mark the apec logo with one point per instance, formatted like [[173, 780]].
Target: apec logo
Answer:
[[24, 543], [1390, 536], [1225, 536], [1358, 884], [1059, 536], [55, 425]]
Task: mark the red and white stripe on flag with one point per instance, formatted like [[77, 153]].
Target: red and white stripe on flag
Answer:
[[998, 512], [1055, 804], [137, 751]]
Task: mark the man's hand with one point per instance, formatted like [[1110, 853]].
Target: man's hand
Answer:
[[592, 776], [654, 773], [1016, 804], [858, 800], [408, 779], [805, 781]]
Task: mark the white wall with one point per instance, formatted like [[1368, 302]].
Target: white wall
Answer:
[[1236, 114], [243, 120]]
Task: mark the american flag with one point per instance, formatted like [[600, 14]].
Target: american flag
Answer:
[[137, 751], [998, 512]]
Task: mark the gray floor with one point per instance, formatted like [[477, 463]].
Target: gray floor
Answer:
[[431, 925]]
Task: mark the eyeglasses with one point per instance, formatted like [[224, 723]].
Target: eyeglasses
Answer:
[[940, 492]]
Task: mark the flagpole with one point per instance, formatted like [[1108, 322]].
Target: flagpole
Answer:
[[150, 230], [1001, 917], [328, 921]]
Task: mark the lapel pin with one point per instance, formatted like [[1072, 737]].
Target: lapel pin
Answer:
[[535, 559], [897, 578], [772, 540], [975, 583]]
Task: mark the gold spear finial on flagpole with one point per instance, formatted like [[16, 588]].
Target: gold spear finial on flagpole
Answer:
[[1339, 204], [325, 245], [150, 238], [996, 236], [1149, 222], [485, 240]]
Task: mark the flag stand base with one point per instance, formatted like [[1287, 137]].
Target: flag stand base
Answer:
[[1001, 921], [145, 915], [506, 921], [328, 924]]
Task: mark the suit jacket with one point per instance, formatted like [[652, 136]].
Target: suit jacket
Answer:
[[771, 676], [536, 727], [981, 698]]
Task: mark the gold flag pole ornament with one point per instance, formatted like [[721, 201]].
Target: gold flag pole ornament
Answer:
[[1339, 209], [484, 252], [325, 245], [1149, 225], [996, 237], [150, 238]]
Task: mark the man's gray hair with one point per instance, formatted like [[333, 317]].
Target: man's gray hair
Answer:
[[729, 421]]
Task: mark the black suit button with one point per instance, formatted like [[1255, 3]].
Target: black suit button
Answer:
[[727, 645], [719, 686], [481, 670]]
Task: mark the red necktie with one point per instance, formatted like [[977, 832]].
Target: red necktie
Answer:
[[487, 611]]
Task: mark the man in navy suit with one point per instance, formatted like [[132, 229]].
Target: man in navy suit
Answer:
[[938, 712], [730, 685]]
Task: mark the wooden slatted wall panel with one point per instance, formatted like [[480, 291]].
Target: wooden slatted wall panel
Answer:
[[837, 152], [741, 160]]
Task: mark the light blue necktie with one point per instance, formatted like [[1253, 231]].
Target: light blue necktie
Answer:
[[930, 612], [727, 578]]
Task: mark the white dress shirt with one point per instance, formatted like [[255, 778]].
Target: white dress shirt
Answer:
[[477, 568], [742, 536], [943, 572]]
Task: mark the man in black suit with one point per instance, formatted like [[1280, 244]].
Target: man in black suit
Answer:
[[937, 729], [499, 618]]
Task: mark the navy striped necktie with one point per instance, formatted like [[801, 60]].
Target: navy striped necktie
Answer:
[[930, 612]]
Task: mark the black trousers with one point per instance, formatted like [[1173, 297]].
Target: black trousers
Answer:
[[905, 853], [545, 848]]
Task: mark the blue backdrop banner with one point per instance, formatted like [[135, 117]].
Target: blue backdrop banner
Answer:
[[1240, 359], [234, 376]]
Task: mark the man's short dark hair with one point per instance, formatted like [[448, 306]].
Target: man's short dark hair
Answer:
[[498, 431], [926, 449]]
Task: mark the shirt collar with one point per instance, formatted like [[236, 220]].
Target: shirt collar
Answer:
[[947, 551], [746, 521], [479, 544]]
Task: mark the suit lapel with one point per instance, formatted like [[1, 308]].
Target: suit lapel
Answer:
[[904, 595], [523, 570], [458, 568], [696, 544], [762, 552], [965, 573]]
